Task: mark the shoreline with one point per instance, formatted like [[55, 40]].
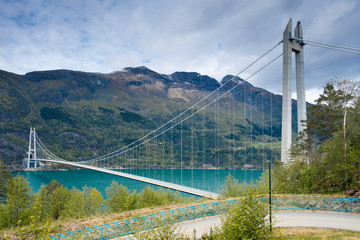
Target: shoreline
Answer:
[[77, 169]]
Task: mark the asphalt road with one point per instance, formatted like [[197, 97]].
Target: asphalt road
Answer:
[[346, 221]]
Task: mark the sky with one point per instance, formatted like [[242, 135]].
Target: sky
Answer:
[[211, 37]]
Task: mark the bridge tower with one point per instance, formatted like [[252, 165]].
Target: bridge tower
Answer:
[[32, 149], [291, 44]]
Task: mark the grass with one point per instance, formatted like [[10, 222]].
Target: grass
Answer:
[[316, 233], [62, 226]]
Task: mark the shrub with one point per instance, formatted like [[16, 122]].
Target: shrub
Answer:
[[246, 220]]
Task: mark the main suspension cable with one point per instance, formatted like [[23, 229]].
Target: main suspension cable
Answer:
[[332, 46]]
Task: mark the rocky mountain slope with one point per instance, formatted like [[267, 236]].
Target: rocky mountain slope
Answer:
[[82, 115]]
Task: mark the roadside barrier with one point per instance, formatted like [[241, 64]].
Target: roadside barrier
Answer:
[[126, 227]]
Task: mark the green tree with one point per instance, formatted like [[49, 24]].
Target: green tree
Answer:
[[58, 199], [3, 219], [323, 120], [150, 198], [304, 148], [18, 203], [231, 188], [36, 211], [173, 197], [93, 200], [338, 174], [51, 186], [133, 201], [44, 198], [5, 176], [75, 207], [325, 117], [296, 178], [350, 89], [353, 134], [39, 222], [353, 167], [117, 197]]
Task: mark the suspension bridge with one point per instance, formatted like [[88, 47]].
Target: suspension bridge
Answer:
[[205, 132]]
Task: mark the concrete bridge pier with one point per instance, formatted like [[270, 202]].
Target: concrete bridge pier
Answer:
[[289, 46]]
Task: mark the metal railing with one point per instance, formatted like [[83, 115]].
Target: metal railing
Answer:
[[126, 227]]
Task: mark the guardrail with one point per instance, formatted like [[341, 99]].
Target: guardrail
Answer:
[[126, 227]]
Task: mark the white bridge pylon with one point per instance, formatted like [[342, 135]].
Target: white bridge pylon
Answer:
[[290, 45], [32, 149]]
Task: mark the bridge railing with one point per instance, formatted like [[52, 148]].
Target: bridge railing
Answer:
[[126, 227]]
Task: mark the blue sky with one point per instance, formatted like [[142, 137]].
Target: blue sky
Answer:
[[212, 37]]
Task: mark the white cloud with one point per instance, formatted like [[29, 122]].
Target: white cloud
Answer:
[[215, 38]]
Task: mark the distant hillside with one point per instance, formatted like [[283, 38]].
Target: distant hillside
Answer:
[[79, 114]]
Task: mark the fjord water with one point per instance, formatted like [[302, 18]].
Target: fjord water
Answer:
[[206, 179]]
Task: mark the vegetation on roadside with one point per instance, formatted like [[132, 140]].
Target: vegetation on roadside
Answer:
[[246, 220]]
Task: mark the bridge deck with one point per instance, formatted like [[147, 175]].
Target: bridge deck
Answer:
[[177, 187]]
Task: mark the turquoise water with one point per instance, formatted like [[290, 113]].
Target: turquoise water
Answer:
[[206, 179]]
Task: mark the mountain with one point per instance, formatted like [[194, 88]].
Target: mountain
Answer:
[[84, 115]]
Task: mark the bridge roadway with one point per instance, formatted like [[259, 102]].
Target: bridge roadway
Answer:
[[177, 187]]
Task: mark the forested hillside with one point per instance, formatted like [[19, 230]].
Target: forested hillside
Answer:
[[83, 115]]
